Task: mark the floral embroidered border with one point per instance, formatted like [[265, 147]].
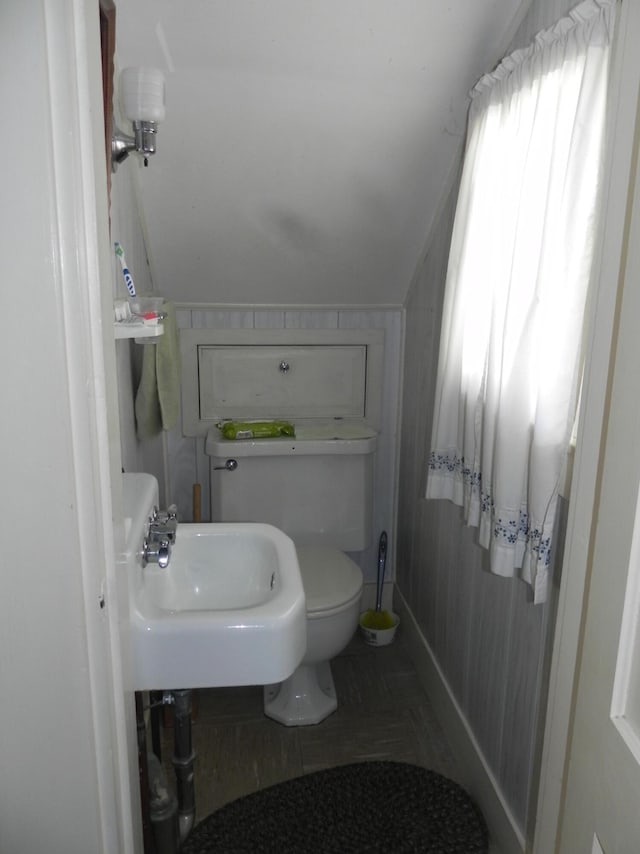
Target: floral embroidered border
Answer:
[[506, 531]]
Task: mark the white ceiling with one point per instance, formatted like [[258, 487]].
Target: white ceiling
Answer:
[[307, 143]]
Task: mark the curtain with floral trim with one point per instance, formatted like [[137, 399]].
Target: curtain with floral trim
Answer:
[[519, 267]]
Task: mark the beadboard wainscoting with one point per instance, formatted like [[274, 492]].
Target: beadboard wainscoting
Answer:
[[186, 461]]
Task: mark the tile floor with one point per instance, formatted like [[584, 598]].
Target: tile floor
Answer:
[[383, 713]]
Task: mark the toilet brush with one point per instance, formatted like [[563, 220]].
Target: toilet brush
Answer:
[[379, 619]]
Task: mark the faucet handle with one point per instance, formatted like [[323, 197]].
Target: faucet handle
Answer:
[[164, 516]]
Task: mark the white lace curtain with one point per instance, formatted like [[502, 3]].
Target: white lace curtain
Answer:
[[519, 266]]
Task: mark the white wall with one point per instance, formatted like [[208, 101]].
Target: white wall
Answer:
[[305, 145], [63, 773], [127, 228]]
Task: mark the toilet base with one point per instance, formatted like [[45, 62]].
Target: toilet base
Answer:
[[307, 697]]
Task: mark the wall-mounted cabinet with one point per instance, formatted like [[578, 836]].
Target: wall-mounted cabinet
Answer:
[[294, 374]]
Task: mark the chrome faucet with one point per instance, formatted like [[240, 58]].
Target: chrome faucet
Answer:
[[156, 547], [163, 523], [156, 550]]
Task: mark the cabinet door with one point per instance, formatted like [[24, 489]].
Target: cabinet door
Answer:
[[282, 381]]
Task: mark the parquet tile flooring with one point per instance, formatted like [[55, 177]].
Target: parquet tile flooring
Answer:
[[383, 713]]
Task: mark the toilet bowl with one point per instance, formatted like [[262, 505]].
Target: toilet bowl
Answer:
[[317, 488], [333, 590]]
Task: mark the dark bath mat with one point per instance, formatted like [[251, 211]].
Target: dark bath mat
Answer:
[[364, 808]]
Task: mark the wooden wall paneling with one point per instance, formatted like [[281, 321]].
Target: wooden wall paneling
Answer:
[[182, 472], [183, 318], [311, 319], [387, 457], [427, 587], [268, 319], [490, 624], [459, 566], [419, 546], [440, 581], [203, 476], [407, 499], [384, 519], [522, 680], [548, 616], [213, 318], [151, 456], [126, 395]]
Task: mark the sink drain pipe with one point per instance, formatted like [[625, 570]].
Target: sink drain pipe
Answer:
[[143, 771], [163, 809], [183, 759]]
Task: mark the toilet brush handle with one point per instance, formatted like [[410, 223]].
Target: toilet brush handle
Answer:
[[382, 560]]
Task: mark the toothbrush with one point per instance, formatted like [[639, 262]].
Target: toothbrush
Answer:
[[128, 279]]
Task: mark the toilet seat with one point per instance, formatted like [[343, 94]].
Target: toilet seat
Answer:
[[331, 580]]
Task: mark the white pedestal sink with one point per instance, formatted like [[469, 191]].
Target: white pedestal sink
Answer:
[[229, 609]]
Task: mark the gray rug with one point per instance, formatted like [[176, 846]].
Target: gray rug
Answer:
[[364, 808]]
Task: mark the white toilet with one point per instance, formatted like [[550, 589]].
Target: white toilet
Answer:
[[319, 491]]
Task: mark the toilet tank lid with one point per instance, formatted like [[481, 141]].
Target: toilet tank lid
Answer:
[[335, 437], [329, 577]]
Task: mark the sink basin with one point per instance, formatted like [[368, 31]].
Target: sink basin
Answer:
[[217, 568], [229, 609]]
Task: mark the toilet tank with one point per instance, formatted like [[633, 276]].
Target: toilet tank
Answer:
[[317, 488]]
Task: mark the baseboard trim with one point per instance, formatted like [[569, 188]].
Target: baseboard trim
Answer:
[[506, 836]]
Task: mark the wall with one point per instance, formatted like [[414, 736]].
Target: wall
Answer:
[[63, 785], [127, 229], [188, 464], [177, 461], [291, 167], [490, 643]]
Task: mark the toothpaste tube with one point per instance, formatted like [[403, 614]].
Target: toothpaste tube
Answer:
[[128, 280]]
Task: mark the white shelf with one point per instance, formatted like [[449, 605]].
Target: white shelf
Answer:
[[137, 330]]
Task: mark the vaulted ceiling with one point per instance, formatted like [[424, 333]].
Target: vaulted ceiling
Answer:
[[307, 143]]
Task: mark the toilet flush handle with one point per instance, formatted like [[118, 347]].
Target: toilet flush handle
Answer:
[[230, 465]]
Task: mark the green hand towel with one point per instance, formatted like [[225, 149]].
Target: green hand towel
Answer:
[[157, 402]]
